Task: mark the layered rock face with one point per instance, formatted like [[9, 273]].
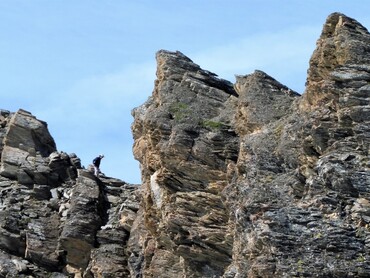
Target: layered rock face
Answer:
[[301, 195], [252, 179], [185, 140], [238, 180], [56, 218]]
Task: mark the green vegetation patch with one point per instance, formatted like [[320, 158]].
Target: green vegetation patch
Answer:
[[179, 110], [212, 124]]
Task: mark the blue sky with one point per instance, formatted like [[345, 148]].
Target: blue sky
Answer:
[[83, 65]]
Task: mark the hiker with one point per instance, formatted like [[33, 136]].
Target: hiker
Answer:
[[96, 163]]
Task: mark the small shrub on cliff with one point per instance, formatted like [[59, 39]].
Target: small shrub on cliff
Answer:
[[211, 124], [179, 110]]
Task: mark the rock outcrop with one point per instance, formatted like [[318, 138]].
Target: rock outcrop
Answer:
[[185, 140], [56, 218], [252, 179], [239, 180], [302, 184]]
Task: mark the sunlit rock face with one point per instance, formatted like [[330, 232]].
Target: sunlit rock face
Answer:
[[185, 140], [239, 180], [252, 179]]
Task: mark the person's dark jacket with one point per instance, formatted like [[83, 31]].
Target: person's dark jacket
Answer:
[[96, 161]]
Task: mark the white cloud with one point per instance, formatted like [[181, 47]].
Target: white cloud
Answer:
[[94, 116], [98, 98], [282, 55]]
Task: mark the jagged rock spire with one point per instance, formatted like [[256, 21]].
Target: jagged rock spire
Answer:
[[341, 57]]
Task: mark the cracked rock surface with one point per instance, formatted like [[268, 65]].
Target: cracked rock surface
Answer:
[[252, 179], [249, 179], [57, 219]]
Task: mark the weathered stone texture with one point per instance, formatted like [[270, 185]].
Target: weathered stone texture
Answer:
[[300, 180], [277, 181], [57, 219], [239, 180], [184, 140]]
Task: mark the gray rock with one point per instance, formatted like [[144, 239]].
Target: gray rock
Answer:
[[42, 242], [25, 130], [291, 170], [52, 212], [83, 220], [243, 180]]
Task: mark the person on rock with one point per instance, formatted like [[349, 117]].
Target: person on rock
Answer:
[[96, 163]]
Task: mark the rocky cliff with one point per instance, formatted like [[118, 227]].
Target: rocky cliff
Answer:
[[56, 218], [251, 179], [238, 180]]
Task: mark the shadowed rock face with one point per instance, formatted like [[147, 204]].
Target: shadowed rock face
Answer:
[[57, 219], [238, 180]]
